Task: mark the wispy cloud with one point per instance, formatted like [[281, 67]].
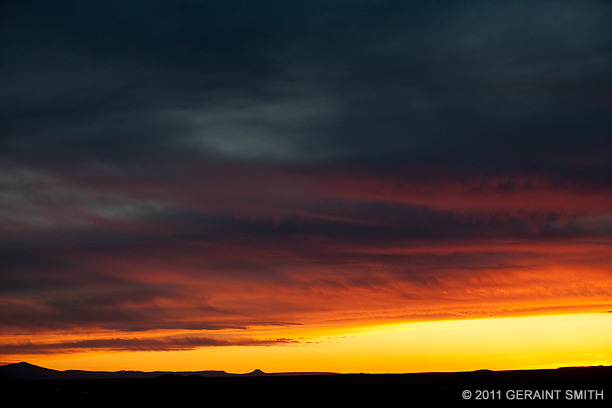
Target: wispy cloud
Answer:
[[136, 344]]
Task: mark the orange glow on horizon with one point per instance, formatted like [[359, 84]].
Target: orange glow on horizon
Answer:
[[527, 342]]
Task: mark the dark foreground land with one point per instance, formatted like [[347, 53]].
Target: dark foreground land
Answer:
[[569, 386]]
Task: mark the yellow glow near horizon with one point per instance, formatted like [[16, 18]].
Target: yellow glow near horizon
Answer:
[[452, 345]]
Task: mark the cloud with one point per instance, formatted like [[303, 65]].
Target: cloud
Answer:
[[168, 343], [481, 83], [207, 165]]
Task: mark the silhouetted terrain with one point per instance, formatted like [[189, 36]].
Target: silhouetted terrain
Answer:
[[32, 384], [26, 371]]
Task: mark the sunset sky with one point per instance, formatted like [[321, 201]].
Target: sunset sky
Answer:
[[349, 186]]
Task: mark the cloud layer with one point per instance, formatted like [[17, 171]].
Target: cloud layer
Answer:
[[224, 165]]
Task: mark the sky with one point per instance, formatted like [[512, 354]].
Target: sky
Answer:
[[304, 185]]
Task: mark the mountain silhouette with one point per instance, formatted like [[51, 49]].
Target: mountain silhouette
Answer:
[[26, 371], [37, 385]]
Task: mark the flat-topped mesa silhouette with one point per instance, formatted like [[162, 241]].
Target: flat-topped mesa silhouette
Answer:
[[256, 372]]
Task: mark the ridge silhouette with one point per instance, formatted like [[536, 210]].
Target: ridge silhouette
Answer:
[[38, 385]]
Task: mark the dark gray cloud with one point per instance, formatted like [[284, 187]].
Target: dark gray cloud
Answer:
[[320, 81], [137, 344]]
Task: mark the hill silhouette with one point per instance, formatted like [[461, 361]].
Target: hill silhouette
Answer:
[[27, 371], [33, 384]]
